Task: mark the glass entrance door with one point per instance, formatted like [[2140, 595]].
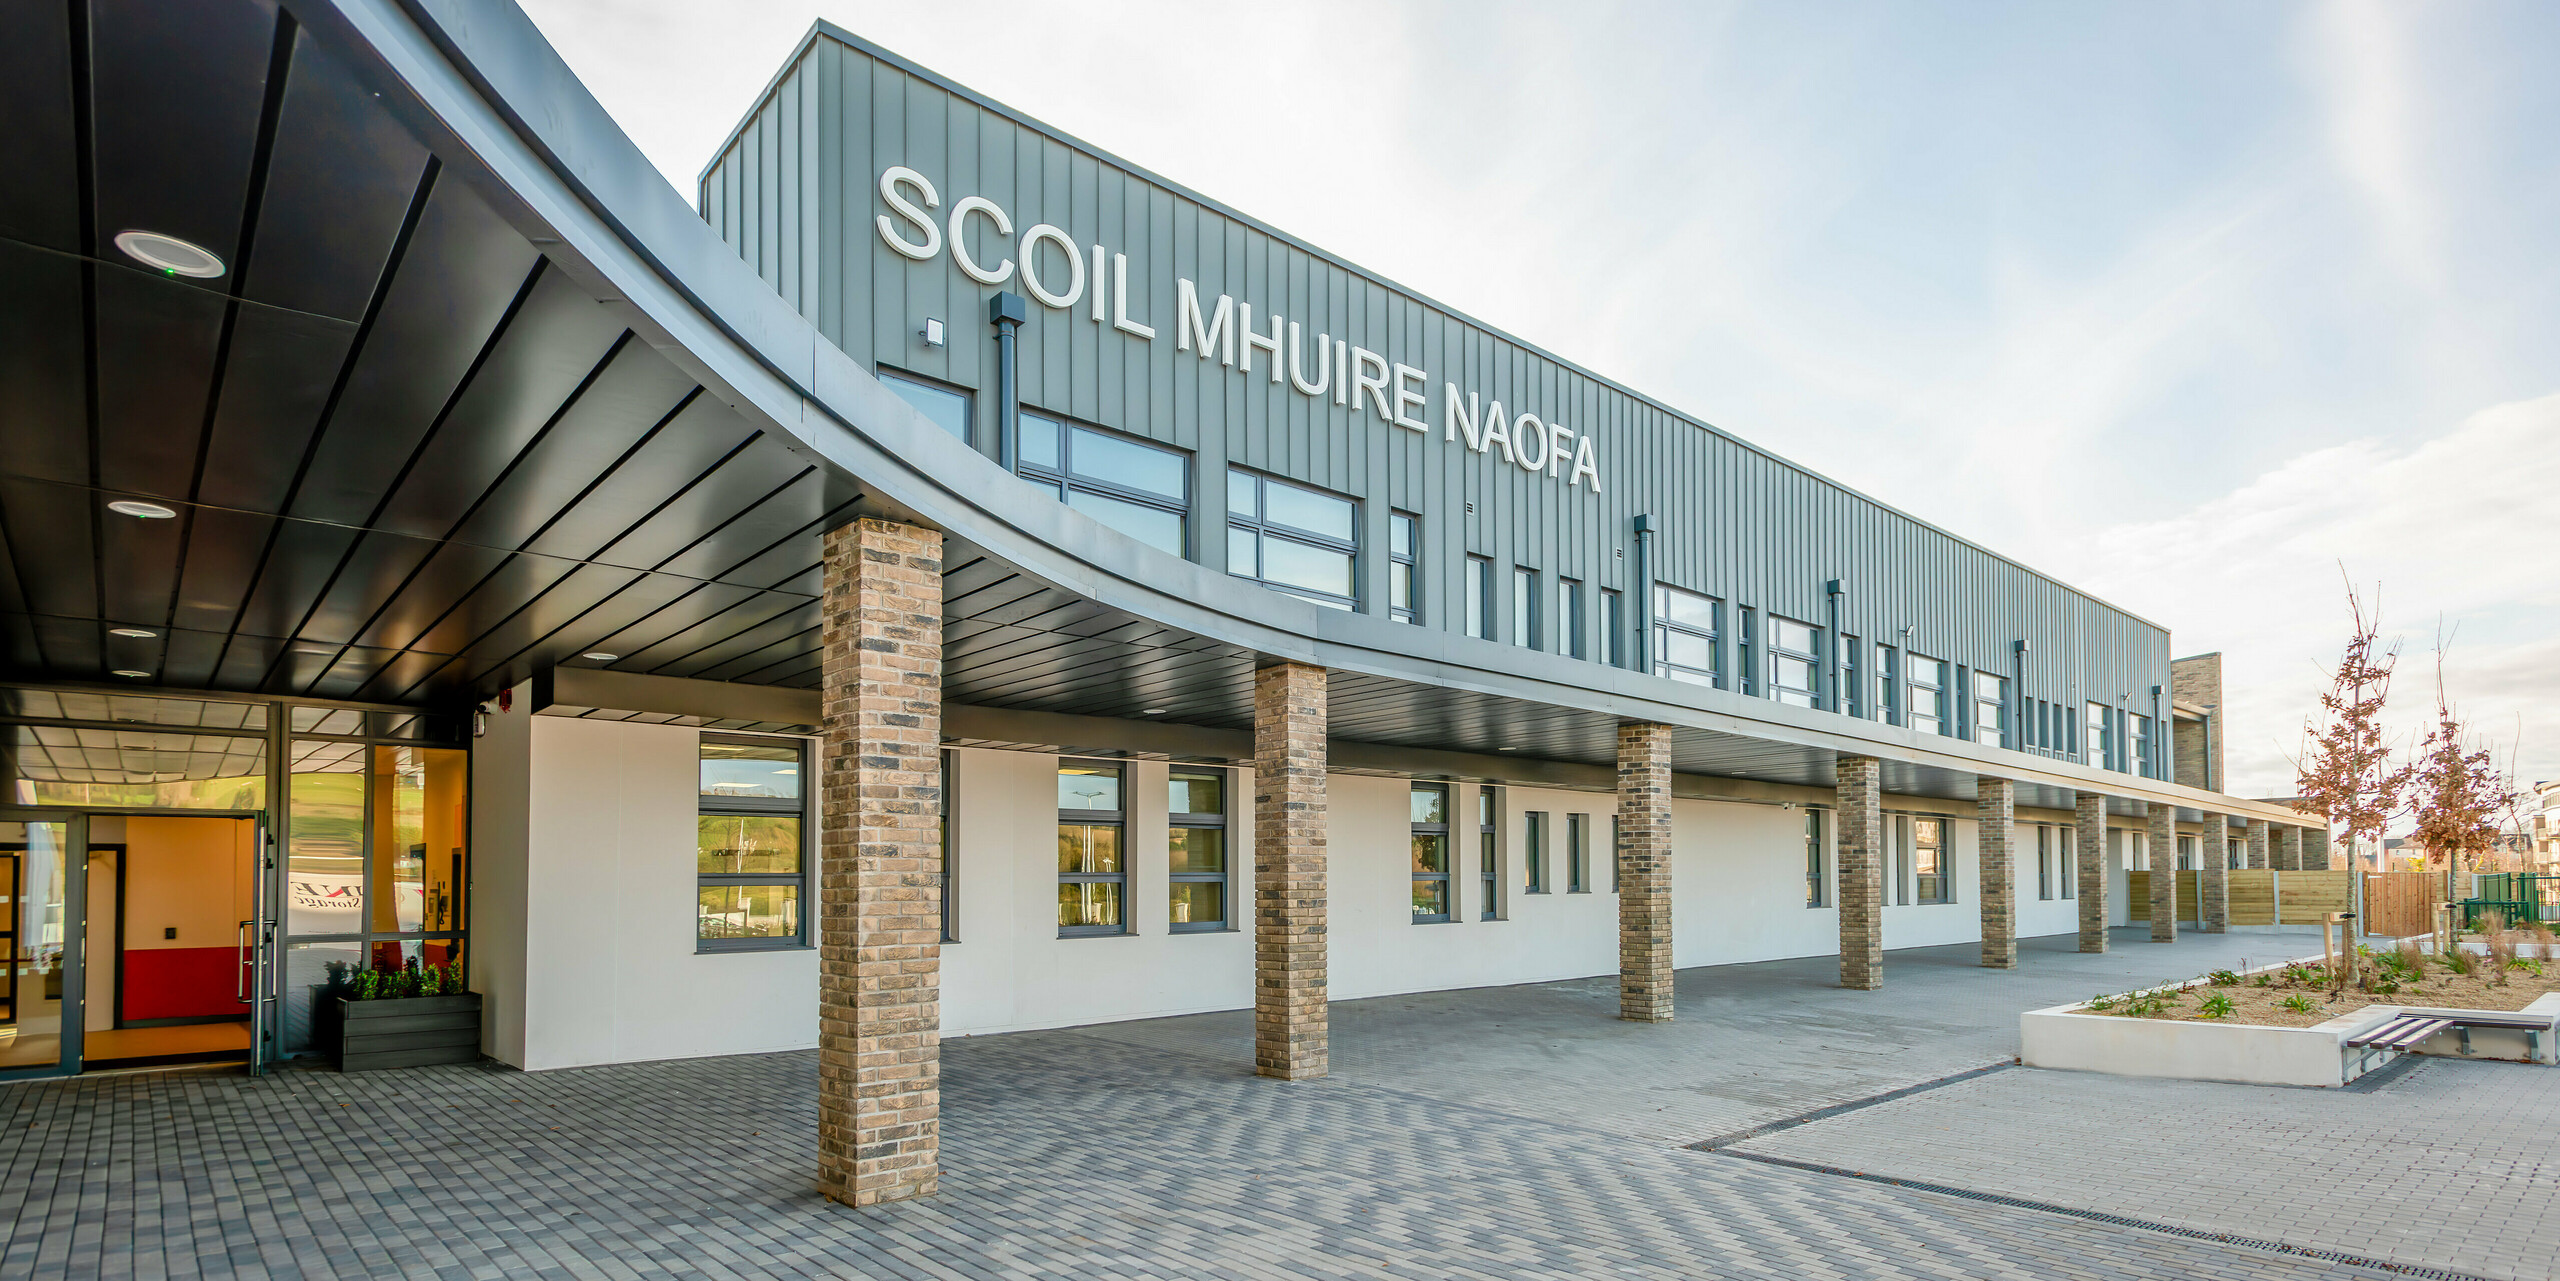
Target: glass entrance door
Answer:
[[44, 861]]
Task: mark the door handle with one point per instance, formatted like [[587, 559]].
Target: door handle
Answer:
[[241, 956]]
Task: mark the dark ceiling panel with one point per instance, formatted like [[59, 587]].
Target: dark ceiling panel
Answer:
[[275, 381], [675, 645], [138, 567], [246, 660], [191, 658], [689, 609], [176, 93], [156, 341], [450, 571], [462, 271], [72, 646], [676, 455], [339, 179], [576, 594], [44, 403], [795, 627], [629, 400], [755, 531], [789, 653], [735, 486], [554, 345], [295, 570], [40, 203], [621, 611], [488, 603], [49, 532], [372, 569]]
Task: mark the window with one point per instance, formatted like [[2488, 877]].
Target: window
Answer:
[[950, 883], [1524, 608], [1901, 887], [948, 407], [2186, 853], [1888, 702], [1196, 848], [1932, 877], [1141, 490], [1990, 700], [1684, 635], [1928, 695], [1092, 877], [2101, 743], [2066, 854], [1430, 853], [1569, 628], [2139, 732], [2044, 862], [751, 850], [1480, 597], [1613, 619], [1748, 658], [1489, 849], [1291, 538], [1533, 858], [1404, 533], [1853, 687], [1577, 853], [1613, 853], [1795, 662], [1815, 883]]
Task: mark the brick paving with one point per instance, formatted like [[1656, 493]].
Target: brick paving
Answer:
[[1137, 1150]]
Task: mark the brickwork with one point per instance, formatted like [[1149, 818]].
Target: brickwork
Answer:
[[2315, 850], [2213, 875], [1996, 811], [1644, 873], [2162, 843], [1861, 858], [2289, 850], [2089, 822], [2198, 745], [879, 914], [2258, 844], [1291, 1038]]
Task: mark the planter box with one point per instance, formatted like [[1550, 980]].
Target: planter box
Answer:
[[409, 1032]]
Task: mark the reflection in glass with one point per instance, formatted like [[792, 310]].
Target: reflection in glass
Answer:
[[1285, 504], [34, 857], [60, 765], [1088, 849], [1153, 526], [736, 844], [1430, 852], [947, 409], [1087, 787], [1198, 851], [750, 769], [750, 911], [1088, 904], [1199, 903], [1297, 564], [1123, 462], [1196, 793], [324, 858]]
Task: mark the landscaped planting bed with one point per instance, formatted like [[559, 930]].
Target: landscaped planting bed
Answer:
[[2504, 978]]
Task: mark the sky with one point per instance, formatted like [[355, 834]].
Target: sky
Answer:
[[2206, 309]]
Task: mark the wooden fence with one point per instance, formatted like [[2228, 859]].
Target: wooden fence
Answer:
[[2258, 896], [2398, 904]]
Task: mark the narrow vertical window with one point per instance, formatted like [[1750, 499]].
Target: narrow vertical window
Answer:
[[1888, 701], [950, 879], [2066, 856], [751, 855], [1480, 597], [1990, 708], [1093, 879], [1524, 608], [1795, 662], [2186, 853], [2044, 863], [1430, 803], [1815, 882], [1489, 849], [1853, 684], [1934, 879], [1196, 849], [1533, 854], [1404, 534], [1569, 629], [1577, 853], [1612, 854], [2101, 744], [1901, 860], [1928, 710], [1749, 657], [1613, 621], [1684, 635], [2139, 732]]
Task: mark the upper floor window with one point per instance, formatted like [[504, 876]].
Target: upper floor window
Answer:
[[1480, 597], [1430, 803], [1990, 701], [1569, 627], [1291, 538], [2102, 743], [1196, 848], [948, 407], [1928, 695], [2139, 732], [1613, 623], [1795, 662], [1524, 608], [752, 858], [1684, 635], [1093, 878], [1404, 537], [1748, 653], [1853, 681], [1141, 490], [1888, 698]]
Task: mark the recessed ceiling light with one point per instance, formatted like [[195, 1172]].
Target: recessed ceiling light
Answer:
[[171, 255], [127, 671], [600, 656], [138, 633], [1152, 711], [146, 511]]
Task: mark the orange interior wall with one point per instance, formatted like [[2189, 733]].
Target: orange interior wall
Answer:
[[193, 874]]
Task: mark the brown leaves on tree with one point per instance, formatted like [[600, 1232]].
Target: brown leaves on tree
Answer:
[[2346, 769], [2461, 794]]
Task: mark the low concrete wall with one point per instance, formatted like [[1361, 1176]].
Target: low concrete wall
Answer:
[[2064, 1037]]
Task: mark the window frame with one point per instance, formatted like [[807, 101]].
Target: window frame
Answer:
[[968, 434], [798, 807], [1613, 622], [2044, 863], [1577, 853], [1533, 851], [2138, 741], [1658, 643], [1853, 677], [1817, 879], [2099, 736], [1480, 614], [1527, 612], [1999, 707], [1940, 722], [1445, 877], [1222, 822], [1098, 818], [1572, 627], [1065, 480], [950, 847], [1404, 589], [1888, 674], [2066, 844], [1263, 527], [1944, 861], [1809, 695], [1489, 850]]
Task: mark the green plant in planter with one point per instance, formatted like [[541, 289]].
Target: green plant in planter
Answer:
[[2262, 979], [2298, 1003], [2223, 978], [2215, 1005], [2460, 962], [2102, 1004], [407, 981]]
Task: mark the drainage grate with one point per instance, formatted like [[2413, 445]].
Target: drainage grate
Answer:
[[1841, 1109], [2115, 1220]]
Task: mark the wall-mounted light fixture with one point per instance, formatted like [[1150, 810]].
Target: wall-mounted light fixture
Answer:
[[932, 333]]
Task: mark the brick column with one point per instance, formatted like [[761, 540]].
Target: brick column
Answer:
[[1861, 855], [1996, 809], [2289, 850], [879, 865], [2213, 876], [1292, 1039], [2315, 849], [2089, 818], [1644, 873], [2258, 844], [2162, 842]]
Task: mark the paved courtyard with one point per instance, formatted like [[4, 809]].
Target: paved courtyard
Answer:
[[1517, 1132]]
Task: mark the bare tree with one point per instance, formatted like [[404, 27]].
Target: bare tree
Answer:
[[2346, 768]]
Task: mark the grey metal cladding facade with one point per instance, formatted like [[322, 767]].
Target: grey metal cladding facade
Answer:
[[795, 192]]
